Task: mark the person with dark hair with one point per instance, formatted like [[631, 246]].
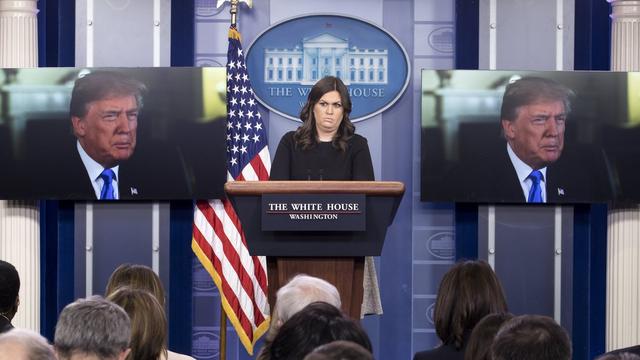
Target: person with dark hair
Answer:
[[326, 147], [479, 345], [531, 337], [468, 292], [92, 328], [23, 344], [534, 166], [9, 299], [340, 350], [317, 324]]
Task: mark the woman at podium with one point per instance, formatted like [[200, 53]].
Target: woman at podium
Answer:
[[326, 147]]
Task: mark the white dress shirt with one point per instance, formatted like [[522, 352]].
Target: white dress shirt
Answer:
[[94, 170], [523, 171]]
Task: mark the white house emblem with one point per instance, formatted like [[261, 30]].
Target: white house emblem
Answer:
[[288, 58], [324, 55]]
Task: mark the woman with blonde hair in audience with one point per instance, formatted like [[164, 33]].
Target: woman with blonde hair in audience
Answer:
[[148, 325], [137, 277], [140, 277]]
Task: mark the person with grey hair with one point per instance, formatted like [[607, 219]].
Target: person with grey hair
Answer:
[[92, 328], [533, 164], [106, 161], [23, 344], [301, 291], [618, 356], [631, 353], [294, 296]]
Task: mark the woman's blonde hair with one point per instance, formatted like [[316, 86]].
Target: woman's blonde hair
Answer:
[[148, 322], [136, 277]]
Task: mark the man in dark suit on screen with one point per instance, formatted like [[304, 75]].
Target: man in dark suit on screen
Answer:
[[104, 113], [535, 166], [105, 162]]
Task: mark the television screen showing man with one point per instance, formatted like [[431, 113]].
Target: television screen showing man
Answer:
[[534, 163], [112, 134], [104, 114], [106, 162]]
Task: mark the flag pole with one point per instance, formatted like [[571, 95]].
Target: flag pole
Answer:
[[223, 315], [234, 12], [223, 334]]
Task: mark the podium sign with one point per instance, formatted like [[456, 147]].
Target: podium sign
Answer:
[[379, 201], [313, 212]]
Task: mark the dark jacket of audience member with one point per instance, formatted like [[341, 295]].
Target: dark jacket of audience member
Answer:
[[479, 345], [340, 350], [468, 292], [317, 324], [531, 337], [9, 301]]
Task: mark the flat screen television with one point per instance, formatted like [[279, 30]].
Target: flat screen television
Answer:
[[487, 134]]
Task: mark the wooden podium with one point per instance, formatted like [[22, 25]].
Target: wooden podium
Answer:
[[336, 256]]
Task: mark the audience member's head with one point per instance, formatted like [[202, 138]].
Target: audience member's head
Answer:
[[531, 337], [9, 288], [340, 350], [479, 345], [137, 277], [317, 324], [148, 322], [618, 356], [299, 292], [92, 328], [22, 344], [468, 292]]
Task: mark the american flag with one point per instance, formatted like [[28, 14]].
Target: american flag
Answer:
[[218, 239]]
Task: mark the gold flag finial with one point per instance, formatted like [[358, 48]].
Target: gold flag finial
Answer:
[[234, 7]]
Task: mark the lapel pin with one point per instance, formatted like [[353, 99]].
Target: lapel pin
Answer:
[[134, 191], [561, 191]]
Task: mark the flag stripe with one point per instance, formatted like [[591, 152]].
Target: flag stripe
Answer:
[[237, 248], [237, 275], [237, 299], [248, 173], [228, 293], [266, 159]]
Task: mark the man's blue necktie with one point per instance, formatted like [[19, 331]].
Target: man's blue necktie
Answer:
[[107, 188], [535, 194]]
